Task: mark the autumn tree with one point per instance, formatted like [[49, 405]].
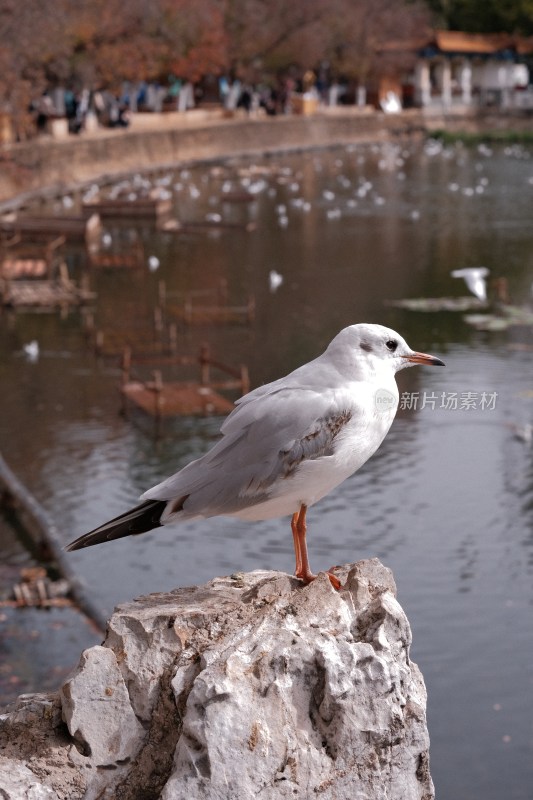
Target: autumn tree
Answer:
[[197, 41], [33, 52], [268, 35], [359, 30], [104, 42], [93, 43], [146, 39], [347, 34]]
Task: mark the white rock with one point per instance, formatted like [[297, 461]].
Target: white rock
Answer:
[[98, 711], [35, 759], [316, 697], [17, 782], [251, 685]]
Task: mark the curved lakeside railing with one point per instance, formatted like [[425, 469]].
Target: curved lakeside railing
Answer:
[[42, 531]]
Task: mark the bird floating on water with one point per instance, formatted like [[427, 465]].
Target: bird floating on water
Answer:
[[31, 351], [286, 444]]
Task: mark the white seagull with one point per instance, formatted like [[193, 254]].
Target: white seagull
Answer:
[[286, 444], [31, 351], [475, 279], [275, 279]]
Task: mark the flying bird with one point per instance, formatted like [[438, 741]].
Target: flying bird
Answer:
[[475, 279], [286, 444]]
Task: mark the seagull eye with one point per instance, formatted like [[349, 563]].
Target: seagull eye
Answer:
[[391, 344]]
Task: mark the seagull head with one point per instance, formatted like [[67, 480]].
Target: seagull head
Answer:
[[372, 349]]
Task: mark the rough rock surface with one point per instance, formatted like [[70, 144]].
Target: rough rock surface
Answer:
[[249, 686]]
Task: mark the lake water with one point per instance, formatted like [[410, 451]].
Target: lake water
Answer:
[[447, 502]]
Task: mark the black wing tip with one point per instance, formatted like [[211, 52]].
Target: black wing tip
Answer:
[[144, 517], [75, 545], [86, 540]]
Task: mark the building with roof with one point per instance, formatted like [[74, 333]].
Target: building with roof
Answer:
[[472, 69]]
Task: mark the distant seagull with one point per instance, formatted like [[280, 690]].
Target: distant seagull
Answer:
[[255, 187], [153, 263], [286, 444], [274, 280], [31, 351], [475, 279]]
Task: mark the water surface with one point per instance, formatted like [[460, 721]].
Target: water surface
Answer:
[[447, 502]]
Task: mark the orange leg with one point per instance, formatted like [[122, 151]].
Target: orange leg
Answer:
[[299, 530], [297, 551]]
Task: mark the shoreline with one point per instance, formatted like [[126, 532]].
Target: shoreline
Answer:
[[45, 167]]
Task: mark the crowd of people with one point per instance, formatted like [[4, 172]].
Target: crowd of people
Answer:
[[102, 107], [82, 110]]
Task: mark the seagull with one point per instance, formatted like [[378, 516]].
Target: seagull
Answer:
[[474, 277], [275, 279], [31, 351], [286, 444]]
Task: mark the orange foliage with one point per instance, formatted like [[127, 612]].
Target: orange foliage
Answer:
[[100, 43]]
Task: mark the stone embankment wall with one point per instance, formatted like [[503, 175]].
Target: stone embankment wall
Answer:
[[161, 140], [47, 166]]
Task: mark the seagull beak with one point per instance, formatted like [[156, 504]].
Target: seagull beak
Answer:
[[424, 358]]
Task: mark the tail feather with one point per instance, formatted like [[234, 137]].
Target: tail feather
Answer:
[[137, 520]]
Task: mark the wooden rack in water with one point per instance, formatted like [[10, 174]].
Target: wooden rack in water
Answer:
[[148, 208], [130, 257], [173, 225], [194, 310], [162, 399], [44, 295], [20, 259], [34, 276], [86, 228], [146, 334]]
